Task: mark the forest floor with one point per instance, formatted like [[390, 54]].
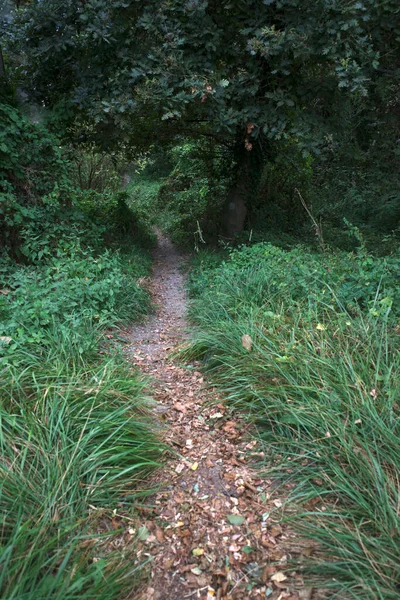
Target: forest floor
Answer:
[[214, 529]]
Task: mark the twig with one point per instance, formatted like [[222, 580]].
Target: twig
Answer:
[[318, 228], [196, 591]]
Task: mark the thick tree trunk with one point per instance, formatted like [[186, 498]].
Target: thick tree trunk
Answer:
[[234, 212], [244, 188]]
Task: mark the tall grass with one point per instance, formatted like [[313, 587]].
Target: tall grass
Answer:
[[322, 387], [74, 434]]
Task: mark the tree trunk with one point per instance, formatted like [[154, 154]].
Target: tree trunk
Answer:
[[234, 212], [244, 188], [3, 74]]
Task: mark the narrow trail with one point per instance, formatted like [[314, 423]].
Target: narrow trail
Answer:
[[214, 529]]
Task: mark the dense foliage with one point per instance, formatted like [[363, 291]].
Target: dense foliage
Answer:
[[235, 62], [190, 199], [272, 124], [319, 376], [74, 434], [278, 85]]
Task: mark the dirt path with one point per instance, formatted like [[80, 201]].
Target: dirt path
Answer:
[[213, 530]]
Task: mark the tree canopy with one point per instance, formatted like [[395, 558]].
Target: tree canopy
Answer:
[[254, 70]]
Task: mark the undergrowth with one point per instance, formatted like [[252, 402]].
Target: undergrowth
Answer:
[[321, 383], [75, 433], [74, 438], [77, 441]]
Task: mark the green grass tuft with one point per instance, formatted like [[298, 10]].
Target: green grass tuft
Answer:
[[74, 434], [321, 384]]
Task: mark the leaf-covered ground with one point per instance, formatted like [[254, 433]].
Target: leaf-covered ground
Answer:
[[213, 529]]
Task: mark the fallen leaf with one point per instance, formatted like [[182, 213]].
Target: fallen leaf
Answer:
[[143, 533], [276, 530], [217, 415], [230, 427], [56, 516], [167, 564], [278, 577], [267, 571], [159, 535], [151, 539], [235, 519], [179, 497], [247, 342]]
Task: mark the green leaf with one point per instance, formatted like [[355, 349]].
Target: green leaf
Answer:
[[236, 519], [143, 533]]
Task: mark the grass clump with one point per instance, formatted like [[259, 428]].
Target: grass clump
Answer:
[[321, 383], [74, 435], [76, 438]]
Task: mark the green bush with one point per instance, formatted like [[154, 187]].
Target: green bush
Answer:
[[83, 288], [321, 383], [142, 194], [73, 425], [124, 221], [348, 281], [31, 160]]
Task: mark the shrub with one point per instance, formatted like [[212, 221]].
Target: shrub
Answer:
[[75, 434], [348, 281], [73, 425], [31, 160], [68, 292]]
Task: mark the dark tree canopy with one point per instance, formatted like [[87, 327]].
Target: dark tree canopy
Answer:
[[253, 77], [242, 69]]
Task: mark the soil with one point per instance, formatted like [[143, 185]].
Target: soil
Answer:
[[214, 529]]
